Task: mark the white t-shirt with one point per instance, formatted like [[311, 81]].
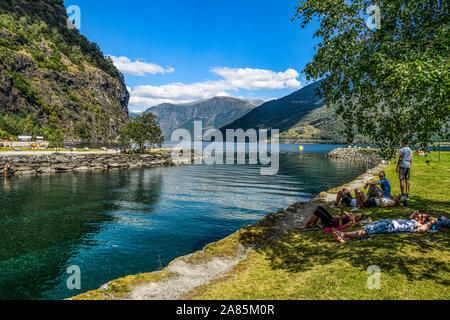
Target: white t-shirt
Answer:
[[406, 153], [383, 201]]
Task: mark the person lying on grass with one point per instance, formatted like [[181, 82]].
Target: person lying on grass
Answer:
[[362, 200], [424, 218], [344, 220], [345, 197], [387, 226]]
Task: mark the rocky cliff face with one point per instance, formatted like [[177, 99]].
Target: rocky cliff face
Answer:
[[55, 73]]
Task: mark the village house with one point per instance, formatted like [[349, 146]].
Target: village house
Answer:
[[27, 142]]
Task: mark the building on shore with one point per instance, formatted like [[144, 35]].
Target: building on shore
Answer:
[[5, 143], [27, 142]]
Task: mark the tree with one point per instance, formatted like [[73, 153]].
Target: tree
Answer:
[[389, 83], [82, 130], [143, 129], [3, 134], [30, 125], [55, 136]]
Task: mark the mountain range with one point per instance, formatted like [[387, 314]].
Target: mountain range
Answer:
[[214, 113], [299, 116], [281, 113]]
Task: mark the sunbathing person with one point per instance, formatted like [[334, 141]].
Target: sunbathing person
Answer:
[[362, 200], [344, 220], [386, 226], [424, 218], [344, 196]]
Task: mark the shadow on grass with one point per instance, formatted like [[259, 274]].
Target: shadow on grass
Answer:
[[435, 208], [416, 256]]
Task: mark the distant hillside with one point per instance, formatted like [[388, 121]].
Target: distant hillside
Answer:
[[300, 116], [133, 115], [214, 113], [282, 113], [53, 78], [319, 124]]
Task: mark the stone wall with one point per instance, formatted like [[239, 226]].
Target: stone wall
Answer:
[[356, 154], [69, 162]]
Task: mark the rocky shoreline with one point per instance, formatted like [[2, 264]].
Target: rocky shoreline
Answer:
[[356, 154], [36, 164]]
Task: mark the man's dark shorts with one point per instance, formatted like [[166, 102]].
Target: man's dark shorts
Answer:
[[404, 173], [374, 192], [370, 203]]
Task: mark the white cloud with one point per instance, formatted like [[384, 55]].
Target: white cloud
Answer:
[[150, 102], [180, 91], [258, 79], [234, 79], [170, 70], [138, 68]]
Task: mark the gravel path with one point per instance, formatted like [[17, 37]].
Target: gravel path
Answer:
[[188, 277]]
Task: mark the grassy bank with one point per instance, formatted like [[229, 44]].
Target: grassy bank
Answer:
[[311, 265]]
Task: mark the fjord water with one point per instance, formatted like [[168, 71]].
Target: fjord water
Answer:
[[117, 223]]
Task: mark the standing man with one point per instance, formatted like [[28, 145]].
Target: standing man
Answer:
[[404, 169]]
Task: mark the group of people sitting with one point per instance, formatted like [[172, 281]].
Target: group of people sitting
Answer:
[[374, 198], [418, 222]]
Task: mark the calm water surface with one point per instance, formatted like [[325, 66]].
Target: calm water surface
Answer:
[[117, 223]]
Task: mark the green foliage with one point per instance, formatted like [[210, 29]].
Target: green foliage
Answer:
[[14, 125], [25, 86], [388, 153], [22, 84], [55, 136], [82, 130], [389, 84], [7, 43], [38, 29], [3, 134], [143, 129], [34, 26], [54, 62]]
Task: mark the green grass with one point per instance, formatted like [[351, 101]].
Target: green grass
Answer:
[[311, 265]]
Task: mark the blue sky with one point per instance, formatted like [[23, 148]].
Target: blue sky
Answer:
[[181, 51]]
